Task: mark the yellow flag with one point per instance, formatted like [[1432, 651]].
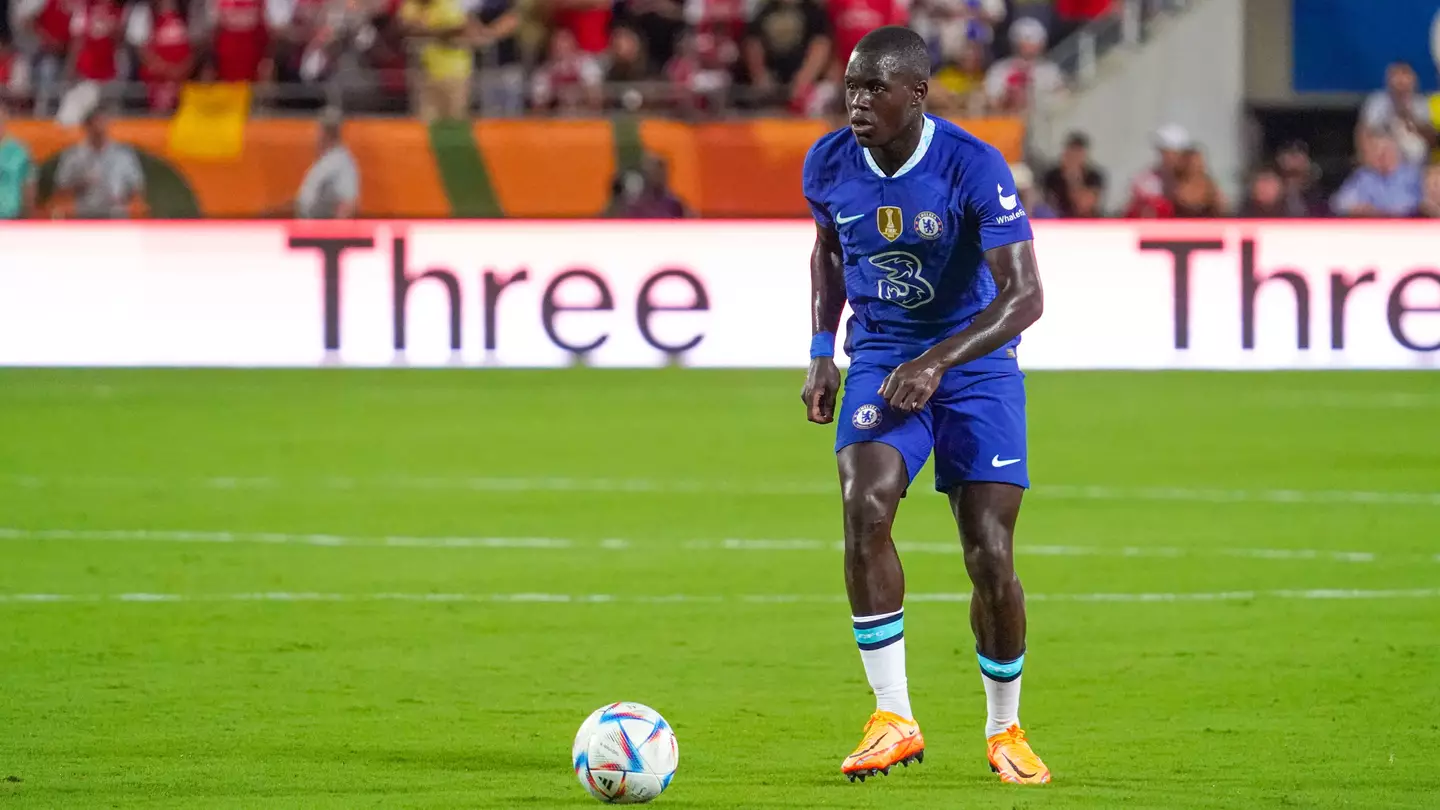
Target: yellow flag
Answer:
[[210, 124]]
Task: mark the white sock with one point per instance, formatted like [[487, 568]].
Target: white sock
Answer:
[[1002, 693], [882, 650], [1002, 705]]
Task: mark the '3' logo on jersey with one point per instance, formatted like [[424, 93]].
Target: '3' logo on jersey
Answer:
[[902, 283]]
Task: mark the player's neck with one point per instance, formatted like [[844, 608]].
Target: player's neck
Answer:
[[897, 152]]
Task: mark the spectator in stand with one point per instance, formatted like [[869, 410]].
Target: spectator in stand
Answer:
[[852, 19], [1400, 111], [48, 22], [295, 25], [1267, 198], [446, 62], [104, 176], [628, 64], [1196, 195], [1042, 11], [659, 24], [1072, 15], [95, 33], [787, 52], [1030, 201], [510, 35], [1429, 207], [17, 173], [239, 37], [1014, 83], [1150, 192], [958, 84], [14, 73], [1085, 203], [645, 193], [570, 80], [944, 23], [1072, 173], [699, 70], [1302, 180], [588, 21], [1383, 186], [160, 34], [331, 189]]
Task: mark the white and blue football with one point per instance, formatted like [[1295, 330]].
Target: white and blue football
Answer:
[[625, 753]]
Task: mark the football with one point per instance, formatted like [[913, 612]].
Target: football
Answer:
[[625, 753]]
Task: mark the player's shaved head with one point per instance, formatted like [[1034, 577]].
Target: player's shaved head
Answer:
[[903, 51], [886, 81]]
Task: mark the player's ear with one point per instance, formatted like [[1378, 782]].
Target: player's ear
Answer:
[[921, 91]]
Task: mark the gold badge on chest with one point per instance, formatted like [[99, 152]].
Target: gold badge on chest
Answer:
[[888, 219]]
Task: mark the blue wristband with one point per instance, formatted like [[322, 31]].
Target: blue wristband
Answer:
[[822, 345]]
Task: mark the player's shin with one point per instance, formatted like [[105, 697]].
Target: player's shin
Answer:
[[1002, 692], [882, 649]]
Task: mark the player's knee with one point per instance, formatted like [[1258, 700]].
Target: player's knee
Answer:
[[869, 511], [989, 560]]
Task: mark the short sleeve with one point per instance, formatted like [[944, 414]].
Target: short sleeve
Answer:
[[993, 202], [813, 183]]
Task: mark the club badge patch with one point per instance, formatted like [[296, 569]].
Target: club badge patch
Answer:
[[866, 417], [888, 219], [929, 225]]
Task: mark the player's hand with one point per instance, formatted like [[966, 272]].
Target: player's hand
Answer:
[[822, 383], [910, 386]]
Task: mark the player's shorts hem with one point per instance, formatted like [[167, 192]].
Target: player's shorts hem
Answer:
[[841, 444], [946, 486]]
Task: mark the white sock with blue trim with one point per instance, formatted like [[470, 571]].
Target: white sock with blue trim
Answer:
[[1002, 693], [882, 649]]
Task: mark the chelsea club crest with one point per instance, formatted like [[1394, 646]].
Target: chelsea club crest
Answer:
[[928, 225], [866, 416]]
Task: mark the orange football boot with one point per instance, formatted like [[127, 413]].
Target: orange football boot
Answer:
[[889, 740], [1012, 758]]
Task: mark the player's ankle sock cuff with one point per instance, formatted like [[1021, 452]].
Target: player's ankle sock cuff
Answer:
[[1001, 671], [877, 632]]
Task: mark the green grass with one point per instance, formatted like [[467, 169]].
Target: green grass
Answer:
[[1210, 484]]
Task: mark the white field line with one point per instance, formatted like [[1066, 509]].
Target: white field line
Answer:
[[286, 596], [645, 486], [618, 544]]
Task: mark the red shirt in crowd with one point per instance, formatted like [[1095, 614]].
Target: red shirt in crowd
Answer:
[[241, 40], [53, 26], [96, 29], [853, 19], [1148, 199], [590, 25], [167, 49], [1081, 9]]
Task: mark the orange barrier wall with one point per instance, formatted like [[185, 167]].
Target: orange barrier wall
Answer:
[[517, 168]]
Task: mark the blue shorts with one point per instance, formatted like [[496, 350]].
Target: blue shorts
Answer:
[[975, 423]]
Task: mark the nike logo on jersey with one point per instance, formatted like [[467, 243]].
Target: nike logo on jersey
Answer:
[[841, 219], [1003, 462], [1008, 203]]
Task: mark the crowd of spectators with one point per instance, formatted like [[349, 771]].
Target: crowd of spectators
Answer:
[[1396, 172], [455, 58]]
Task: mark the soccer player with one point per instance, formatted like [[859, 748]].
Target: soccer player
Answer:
[[919, 226]]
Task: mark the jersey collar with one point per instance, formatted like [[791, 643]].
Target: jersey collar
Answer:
[[927, 133]]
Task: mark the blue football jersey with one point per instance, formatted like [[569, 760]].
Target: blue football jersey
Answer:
[[914, 243]]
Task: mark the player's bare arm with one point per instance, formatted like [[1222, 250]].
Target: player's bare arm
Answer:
[[827, 301], [1019, 302]]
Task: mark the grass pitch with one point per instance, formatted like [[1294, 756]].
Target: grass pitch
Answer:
[[407, 589]]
